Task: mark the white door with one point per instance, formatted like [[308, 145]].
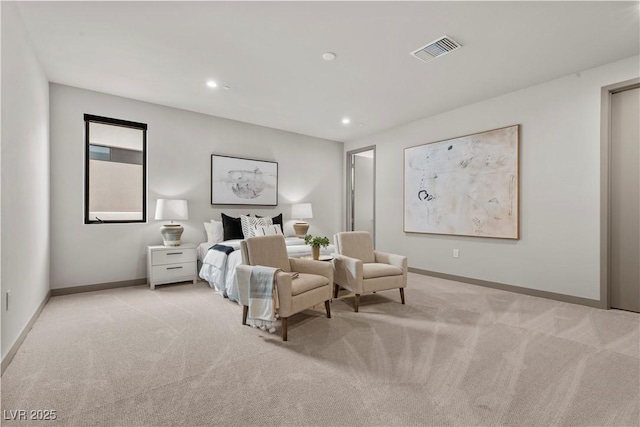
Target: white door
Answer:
[[361, 190]]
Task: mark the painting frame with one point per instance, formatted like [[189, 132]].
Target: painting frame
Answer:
[[242, 181], [464, 186]]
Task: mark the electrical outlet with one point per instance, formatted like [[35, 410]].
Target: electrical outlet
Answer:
[[456, 253]]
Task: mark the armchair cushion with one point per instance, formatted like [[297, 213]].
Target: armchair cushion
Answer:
[[312, 267], [306, 282], [267, 250], [371, 270], [355, 244]]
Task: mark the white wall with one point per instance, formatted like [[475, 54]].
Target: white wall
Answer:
[[25, 178], [559, 249], [179, 147]]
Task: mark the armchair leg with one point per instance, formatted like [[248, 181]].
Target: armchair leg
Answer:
[[336, 288], [327, 306], [245, 311], [284, 328], [357, 301], [402, 294]]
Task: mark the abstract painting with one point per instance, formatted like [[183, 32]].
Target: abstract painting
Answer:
[[238, 181], [465, 186]]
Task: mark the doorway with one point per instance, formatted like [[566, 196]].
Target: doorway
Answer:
[[624, 207], [361, 190]]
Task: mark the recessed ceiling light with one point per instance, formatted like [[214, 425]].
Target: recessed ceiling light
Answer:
[[328, 56], [346, 121], [212, 84]]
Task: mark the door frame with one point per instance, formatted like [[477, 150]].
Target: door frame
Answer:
[[605, 185], [349, 188]]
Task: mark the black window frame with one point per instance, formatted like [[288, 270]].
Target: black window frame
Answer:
[[90, 118]]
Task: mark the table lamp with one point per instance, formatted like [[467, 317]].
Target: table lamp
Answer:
[[301, 211], [167, 209]]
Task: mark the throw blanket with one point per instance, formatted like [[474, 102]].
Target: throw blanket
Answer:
[[263, 298], [222, 248], [216, 262], [263, 293]]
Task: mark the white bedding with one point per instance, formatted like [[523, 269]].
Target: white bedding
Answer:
[[220, 270]]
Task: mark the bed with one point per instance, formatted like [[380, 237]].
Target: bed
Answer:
[[219, 268]]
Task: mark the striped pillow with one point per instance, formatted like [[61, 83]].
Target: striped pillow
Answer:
[[268, 230], [249, 224]]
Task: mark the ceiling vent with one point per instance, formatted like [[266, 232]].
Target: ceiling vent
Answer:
[[436, 48]]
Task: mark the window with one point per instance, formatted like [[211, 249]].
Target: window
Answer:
[[115, 170]]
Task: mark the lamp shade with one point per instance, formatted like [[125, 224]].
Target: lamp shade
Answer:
[[172, 209], [301, 211]]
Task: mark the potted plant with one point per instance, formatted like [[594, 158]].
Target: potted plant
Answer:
[[316, 243]]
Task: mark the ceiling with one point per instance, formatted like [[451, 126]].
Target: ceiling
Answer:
[[270, 55]]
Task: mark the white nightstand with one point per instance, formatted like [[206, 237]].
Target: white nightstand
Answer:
[[170, 264]]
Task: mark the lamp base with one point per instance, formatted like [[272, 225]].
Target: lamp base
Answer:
[[171, 234], [301, 228]]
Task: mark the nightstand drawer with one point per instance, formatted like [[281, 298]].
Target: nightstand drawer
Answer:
[[173, 256], [171, 271]]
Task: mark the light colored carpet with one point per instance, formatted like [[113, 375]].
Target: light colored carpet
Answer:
[[456, 354]]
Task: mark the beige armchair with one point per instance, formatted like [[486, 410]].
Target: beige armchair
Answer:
[[361, 269], [311, 287]]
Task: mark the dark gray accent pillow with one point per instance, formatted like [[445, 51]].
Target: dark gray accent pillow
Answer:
[[231, 228]]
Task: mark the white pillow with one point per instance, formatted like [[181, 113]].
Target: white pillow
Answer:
[[215, 232], [250, 223], [207, 229], [267, 230]]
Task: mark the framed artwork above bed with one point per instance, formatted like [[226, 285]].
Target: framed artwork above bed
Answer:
[[240, 181]]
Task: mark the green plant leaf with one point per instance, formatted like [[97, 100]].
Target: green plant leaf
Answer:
[[316, 242]]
